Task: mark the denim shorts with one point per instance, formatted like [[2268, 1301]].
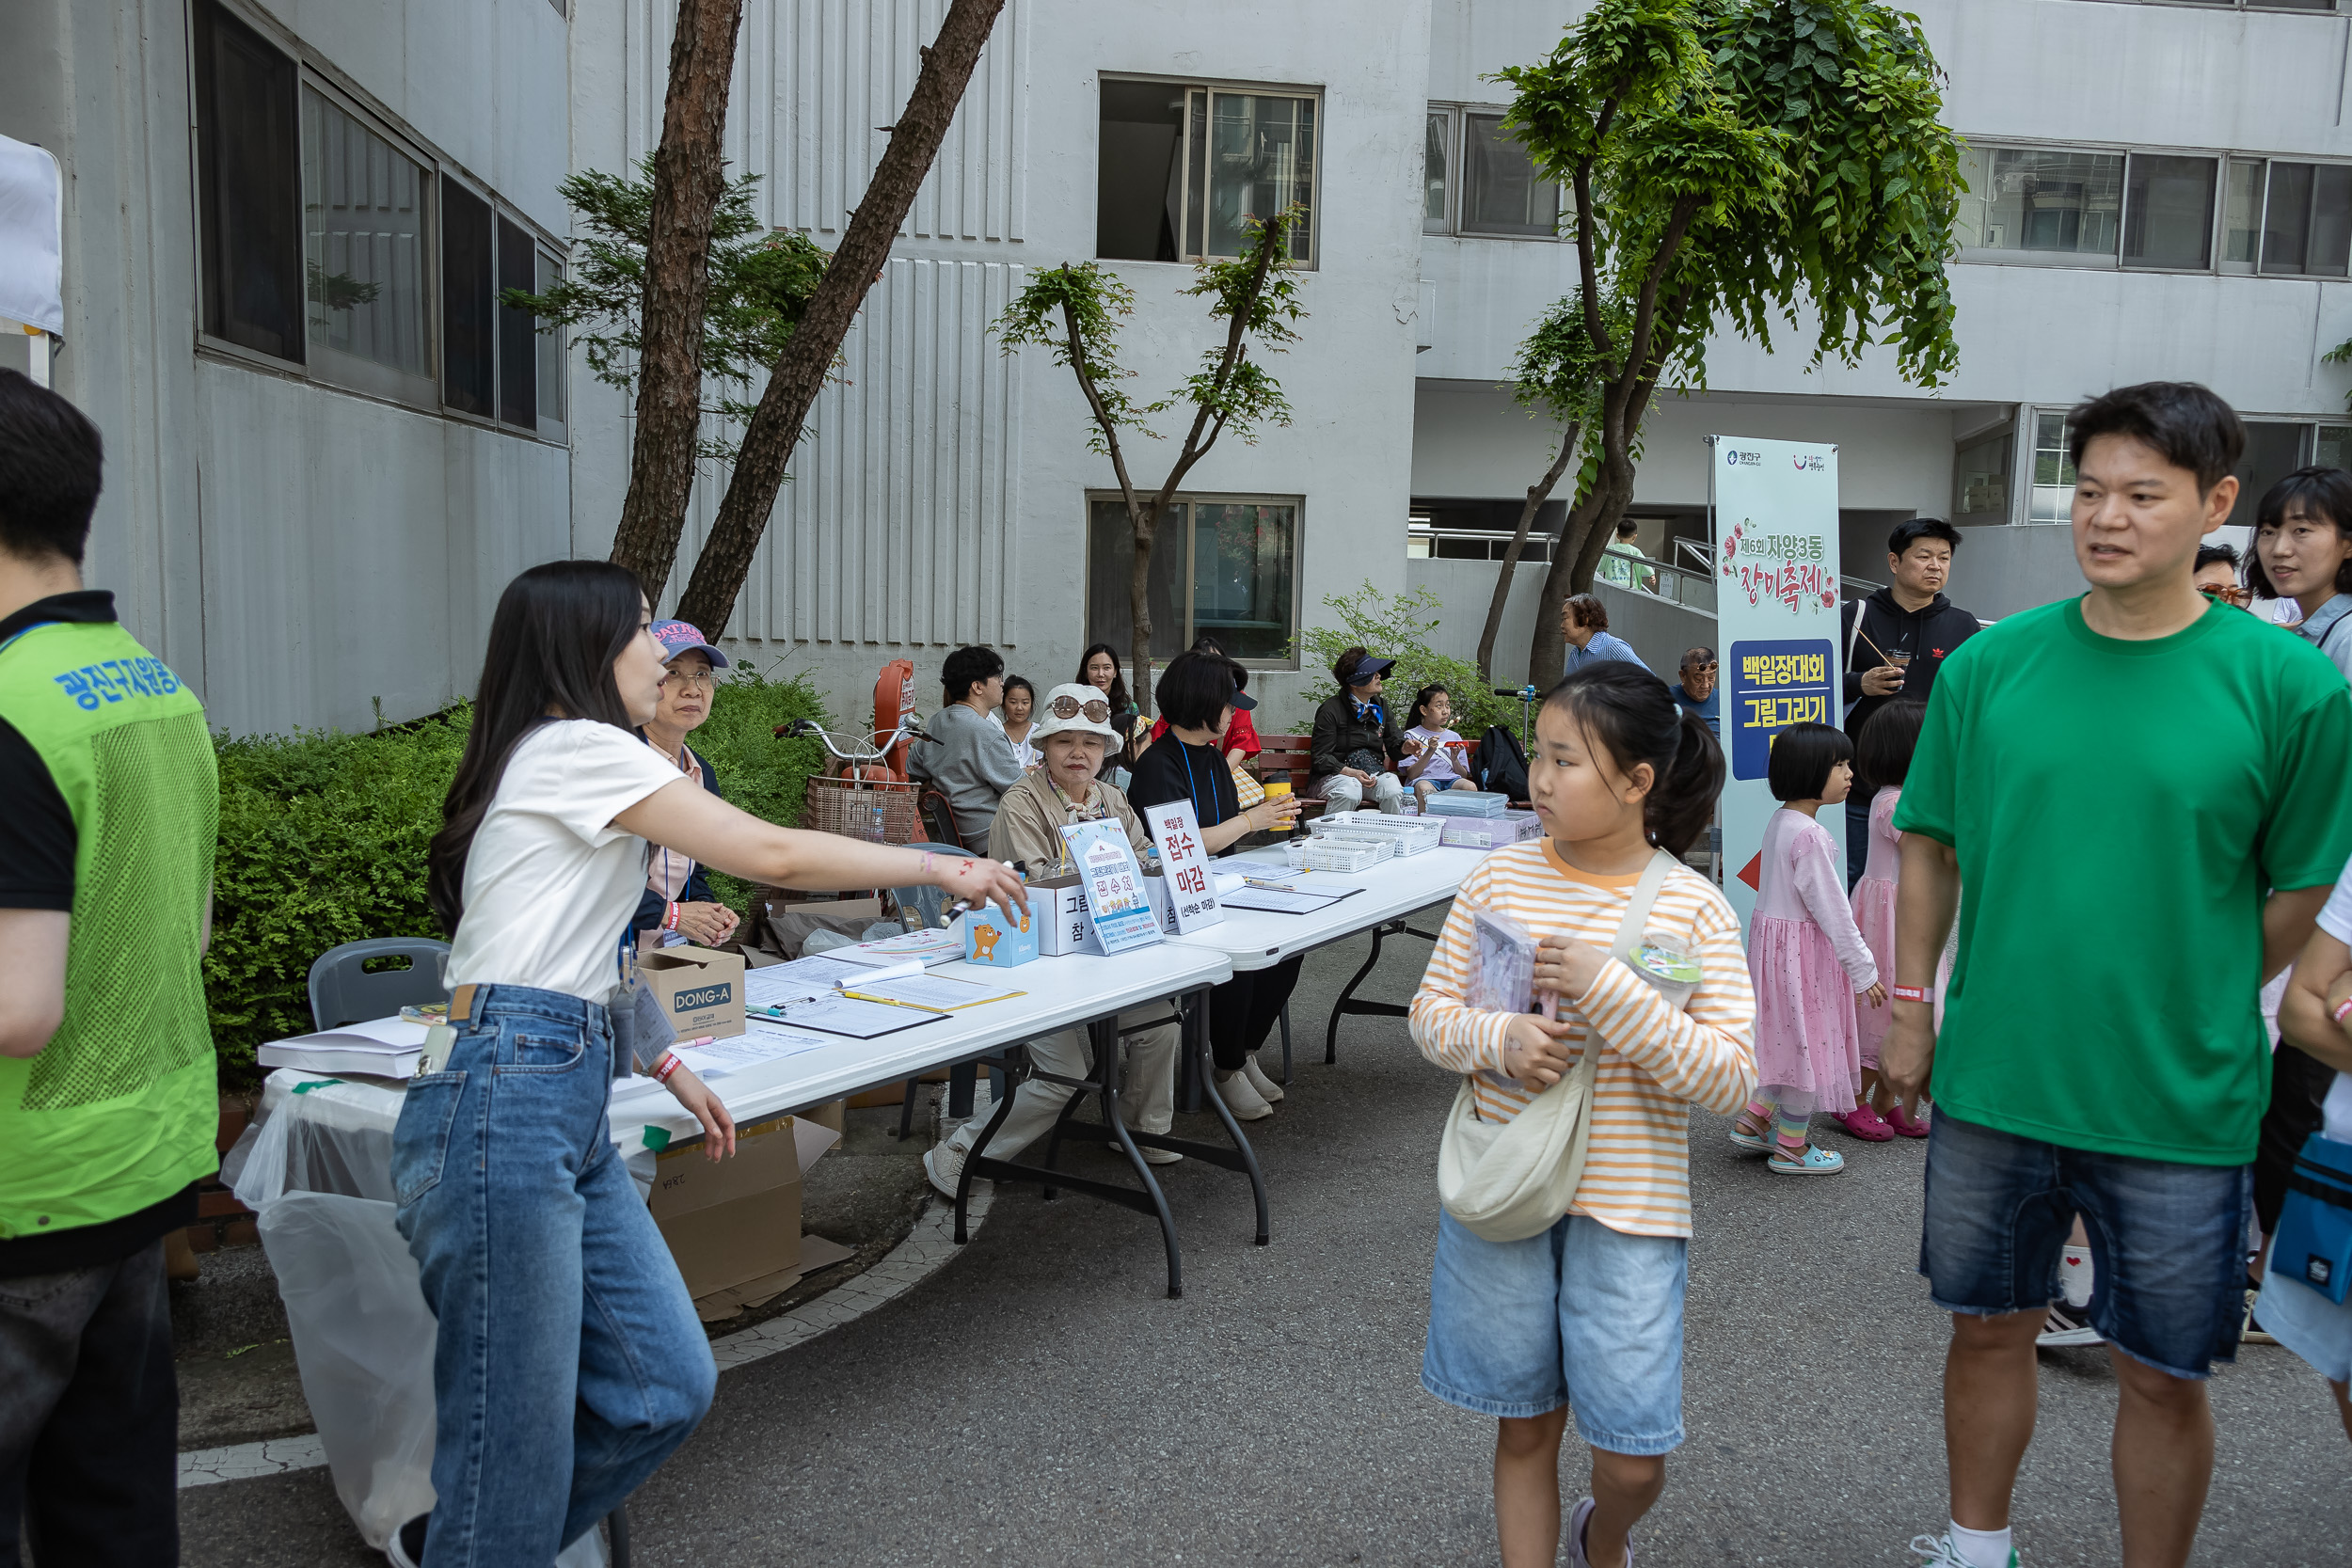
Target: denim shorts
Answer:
[[1580, 1315], [2167, 1240]]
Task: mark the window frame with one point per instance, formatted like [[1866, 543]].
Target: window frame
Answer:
[[1214, 86], [323, 366], [1456, 134], [2216, 261], [1090, 499]]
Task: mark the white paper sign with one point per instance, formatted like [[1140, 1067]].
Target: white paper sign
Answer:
[[1184, 864], [1116, 899], [1776, 611]]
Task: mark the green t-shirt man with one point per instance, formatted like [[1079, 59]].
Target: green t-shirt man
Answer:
[[2120, 810]]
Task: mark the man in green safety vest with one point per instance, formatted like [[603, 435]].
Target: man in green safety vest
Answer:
[[109, 802]]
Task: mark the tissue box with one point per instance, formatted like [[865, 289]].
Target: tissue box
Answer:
[[1058, 906], [991, 938]]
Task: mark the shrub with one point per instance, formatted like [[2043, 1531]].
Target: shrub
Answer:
[[323, 841], [1398, 629]]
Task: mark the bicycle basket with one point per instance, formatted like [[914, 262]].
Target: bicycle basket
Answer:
[[877, 811]]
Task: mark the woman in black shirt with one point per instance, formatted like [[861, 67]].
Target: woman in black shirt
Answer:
[[1198, 694]]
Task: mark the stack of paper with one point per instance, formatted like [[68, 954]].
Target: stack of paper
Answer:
[[381, 1048]]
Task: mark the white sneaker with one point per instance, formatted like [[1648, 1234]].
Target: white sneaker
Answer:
[[1246, 1102], [1937, 1551], [1151, 1156], [944, 1164], [1268, 1090]]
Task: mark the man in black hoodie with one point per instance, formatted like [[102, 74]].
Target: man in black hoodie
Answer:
[[1895, 642]]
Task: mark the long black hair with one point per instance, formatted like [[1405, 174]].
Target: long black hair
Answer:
[[1889, 737], [1415, 720], [1636, 720], [1120, 701], [2327, 493], [553, 638]]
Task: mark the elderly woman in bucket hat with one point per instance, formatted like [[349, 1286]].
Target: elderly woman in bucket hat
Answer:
[[1074, 734], [678, 904]]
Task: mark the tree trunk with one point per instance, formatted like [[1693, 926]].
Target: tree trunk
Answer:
[[1548, 652], [807, 358], [1584, 534], [1144, 524], [1536, 495], [689, 178]]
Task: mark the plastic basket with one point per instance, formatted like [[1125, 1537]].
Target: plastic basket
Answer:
[[1344, 852], [877, 811], [1410, 835]]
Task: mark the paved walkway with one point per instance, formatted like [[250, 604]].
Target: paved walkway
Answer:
[[1039, 1402]]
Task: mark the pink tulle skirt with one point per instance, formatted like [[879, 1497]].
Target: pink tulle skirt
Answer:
[[1808, 1051], [1874, 912]]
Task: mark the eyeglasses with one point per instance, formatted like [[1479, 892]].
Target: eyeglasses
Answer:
[[1097, 711], [2239, 595], [707, 679]]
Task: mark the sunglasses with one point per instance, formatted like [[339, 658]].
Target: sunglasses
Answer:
[[1097, 711], [2240, 596]]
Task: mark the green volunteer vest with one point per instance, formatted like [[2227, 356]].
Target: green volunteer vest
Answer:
[[120, 1109]]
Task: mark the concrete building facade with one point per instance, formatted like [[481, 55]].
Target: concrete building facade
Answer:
[[311, 519]]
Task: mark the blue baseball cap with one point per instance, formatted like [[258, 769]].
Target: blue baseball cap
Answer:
[[677, 638]]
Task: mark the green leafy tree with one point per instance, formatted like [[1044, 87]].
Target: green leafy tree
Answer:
[[758, 285], [1399, 627], [1074, 312], [1731, 164]]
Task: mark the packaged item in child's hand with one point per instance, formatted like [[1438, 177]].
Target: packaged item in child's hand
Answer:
[[1502, 964], [1666, 964]]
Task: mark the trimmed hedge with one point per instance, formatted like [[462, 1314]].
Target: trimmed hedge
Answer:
[[323, 840]]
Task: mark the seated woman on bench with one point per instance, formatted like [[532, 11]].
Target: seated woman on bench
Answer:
[[1072, 731]]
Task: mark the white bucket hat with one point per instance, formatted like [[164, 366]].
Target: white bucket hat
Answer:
[[1071, 707]]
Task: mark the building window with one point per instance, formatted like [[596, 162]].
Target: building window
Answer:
[[2307, 218], [248, 176], [1224, 567], [364, 249], [1981, 474], [2053, 472], [1479, 180], [1181, 167], [468, 294], [548, 345], [2049, 203], [2168, 212]]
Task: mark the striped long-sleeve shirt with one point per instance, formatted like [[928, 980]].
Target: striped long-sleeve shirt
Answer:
[[1656, 1062]]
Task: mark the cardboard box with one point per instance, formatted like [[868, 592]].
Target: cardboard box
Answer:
[[701, 991], [991, 938], [1059, 907], [734, 1228]]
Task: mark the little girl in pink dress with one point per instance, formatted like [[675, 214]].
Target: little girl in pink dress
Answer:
[[1882, 755], [1807, 959]]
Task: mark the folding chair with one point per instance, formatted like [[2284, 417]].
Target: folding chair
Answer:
[[344, 988]]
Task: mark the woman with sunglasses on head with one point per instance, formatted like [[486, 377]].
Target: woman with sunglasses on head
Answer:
[[568, 1360], [1199, 694], [1074, 734], [2303, 551], [677, 905]]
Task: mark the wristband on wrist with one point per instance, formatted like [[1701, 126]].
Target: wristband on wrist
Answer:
[[668, 1065], [669, 917], [2342, 1008], [1908, 994]]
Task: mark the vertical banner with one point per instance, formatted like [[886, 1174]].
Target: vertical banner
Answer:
[[1776, 612], [1184, 868]]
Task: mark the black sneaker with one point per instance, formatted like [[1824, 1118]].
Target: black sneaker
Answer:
[[2066, 1326], [406, 1549]]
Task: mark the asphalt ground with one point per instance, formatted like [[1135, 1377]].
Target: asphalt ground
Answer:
[[1039, 1400]]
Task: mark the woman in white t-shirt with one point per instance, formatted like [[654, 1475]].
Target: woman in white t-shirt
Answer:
[[569, 1360], [2317, 1016]]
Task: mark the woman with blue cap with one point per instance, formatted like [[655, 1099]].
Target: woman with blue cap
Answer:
[[677, 905]]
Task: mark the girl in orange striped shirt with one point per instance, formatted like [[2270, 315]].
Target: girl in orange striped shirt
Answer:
[[1588, 1314]]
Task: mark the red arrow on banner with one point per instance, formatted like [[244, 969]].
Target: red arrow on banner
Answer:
[[1753, 873]]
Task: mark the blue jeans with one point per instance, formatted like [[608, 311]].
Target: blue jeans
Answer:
[[2167, 1240], [1580, 1315], [569, 1361]]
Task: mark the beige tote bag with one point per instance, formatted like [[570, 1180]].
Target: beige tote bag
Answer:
[[1515, 1180]]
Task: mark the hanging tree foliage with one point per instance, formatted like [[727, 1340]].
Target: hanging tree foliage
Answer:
[[1734, 164], [1073, 311]]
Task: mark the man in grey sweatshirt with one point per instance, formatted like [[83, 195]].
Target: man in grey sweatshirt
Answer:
[[964, 752]]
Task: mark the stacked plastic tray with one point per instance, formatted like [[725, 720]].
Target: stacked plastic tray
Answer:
[[1348, 851], [1492, 833], [1412, 834], [1466, 802]]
